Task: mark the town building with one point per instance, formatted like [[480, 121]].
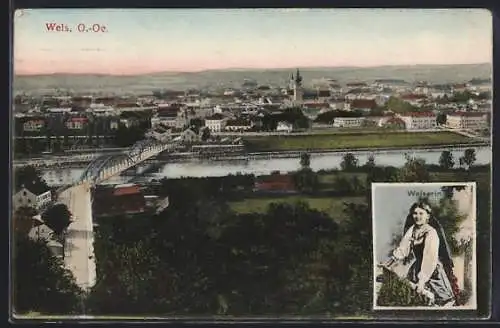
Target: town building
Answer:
[[40, 231], [36, 196], [414, 99], [348, 122], [393, 123], [363, 105], [76, 123], [419, 120], [33, 125], [284, 127], [188, 136], [239, 125], [59, 110], [120, 199], [296, 85], [275, 183], [216, 122], [467, 120]]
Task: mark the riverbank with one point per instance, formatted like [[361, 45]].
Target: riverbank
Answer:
[[353, 141], [320, 152]]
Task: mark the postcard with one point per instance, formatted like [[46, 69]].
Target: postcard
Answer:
[[251, 163], [424, 245]]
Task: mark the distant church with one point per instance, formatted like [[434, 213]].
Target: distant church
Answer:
[[296, 86]]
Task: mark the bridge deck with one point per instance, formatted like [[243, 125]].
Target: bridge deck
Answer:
[[79, 247]]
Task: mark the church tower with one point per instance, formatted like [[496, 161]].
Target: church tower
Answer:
[[297, 88], [291, 82]]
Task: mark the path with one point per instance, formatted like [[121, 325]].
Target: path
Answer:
[[79, 252]]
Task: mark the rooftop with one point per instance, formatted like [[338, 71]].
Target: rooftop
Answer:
[[216, 116], [418, 114]]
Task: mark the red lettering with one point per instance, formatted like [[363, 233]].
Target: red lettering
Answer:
[[50, 26]]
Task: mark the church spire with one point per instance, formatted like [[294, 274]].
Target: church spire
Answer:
[[298, 78]]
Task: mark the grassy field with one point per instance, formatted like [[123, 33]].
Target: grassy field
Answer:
[[331, 205], [354, 140]]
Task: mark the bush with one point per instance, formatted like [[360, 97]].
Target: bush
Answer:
[[396, 292]]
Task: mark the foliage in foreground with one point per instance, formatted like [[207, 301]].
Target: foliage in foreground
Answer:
[[40, 283]]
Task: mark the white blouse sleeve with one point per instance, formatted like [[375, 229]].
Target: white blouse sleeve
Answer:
[[403, 250], [430, 257]]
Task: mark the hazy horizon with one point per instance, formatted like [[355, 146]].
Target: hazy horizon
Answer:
[[146, 41], [235, 69]]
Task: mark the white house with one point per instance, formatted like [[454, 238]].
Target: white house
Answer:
[[337, 104], [101, 109], [419, 120], [467, 120], [239, 125], [59, 110], [166, 118], [76, 123], [38, 198], [40, 231], [33, 125], [129, 122], [348, 122], [284, 127], [414, 99], [215, 123]]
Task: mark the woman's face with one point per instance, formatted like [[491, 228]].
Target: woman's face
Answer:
[[420, 216]]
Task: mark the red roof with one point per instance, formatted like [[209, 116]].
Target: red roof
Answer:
[[126, 190], [35, 121], [275, 182], [274, 186], [413, 97], [363, 103], [78, 119], [395, 120]]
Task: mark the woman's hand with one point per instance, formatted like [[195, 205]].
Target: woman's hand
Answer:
[[420, 287]]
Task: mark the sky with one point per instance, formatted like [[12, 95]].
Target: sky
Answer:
[[145, 40], [391, 205]]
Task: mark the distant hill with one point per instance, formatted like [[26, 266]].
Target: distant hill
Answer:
[[235, 78]]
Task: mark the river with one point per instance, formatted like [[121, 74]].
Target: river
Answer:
[[198, 168]]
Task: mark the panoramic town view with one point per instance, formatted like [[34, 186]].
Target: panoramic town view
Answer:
[[159, 174]]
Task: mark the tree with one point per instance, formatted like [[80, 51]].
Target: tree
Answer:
[[40, 282], [196, 124], [205, 135], [23, 219], [370, 163], [306, 180], [441, 119], [127, 136], [349, 162], [305, 160], [29, 176], [468, 158], [398, 105], [57, 218], [446, 160], [414, 170]]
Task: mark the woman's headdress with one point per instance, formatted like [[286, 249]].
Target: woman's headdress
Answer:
[[444, 248]]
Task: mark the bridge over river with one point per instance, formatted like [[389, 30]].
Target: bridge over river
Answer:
[[79, 243]]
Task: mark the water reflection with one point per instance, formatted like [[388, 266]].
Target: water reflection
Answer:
[[198, 168]]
